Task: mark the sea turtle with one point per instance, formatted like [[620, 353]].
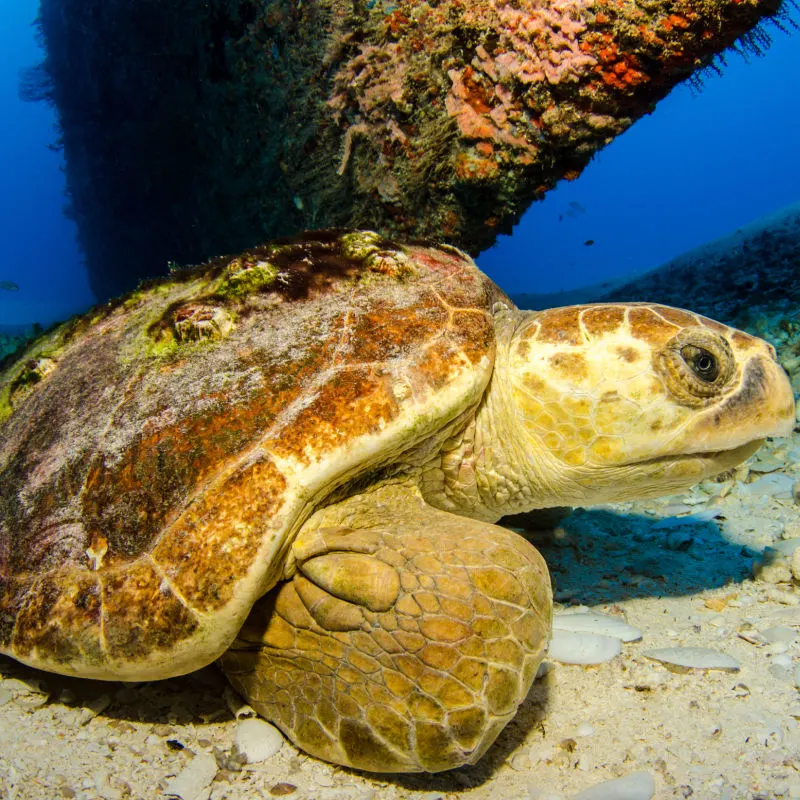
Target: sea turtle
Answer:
[[292, 460]]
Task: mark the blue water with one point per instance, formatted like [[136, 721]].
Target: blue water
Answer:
[[37, 244], [697, 168]]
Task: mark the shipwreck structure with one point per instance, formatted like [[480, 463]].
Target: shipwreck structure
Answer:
[[196, 128]]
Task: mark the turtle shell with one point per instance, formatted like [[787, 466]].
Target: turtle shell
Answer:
[[158, 455]]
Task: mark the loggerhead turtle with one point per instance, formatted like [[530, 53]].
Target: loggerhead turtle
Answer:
[[292, 460]]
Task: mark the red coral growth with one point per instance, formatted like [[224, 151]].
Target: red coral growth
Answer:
[[620, 70]]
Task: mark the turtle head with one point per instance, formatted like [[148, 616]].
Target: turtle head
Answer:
[[618, 401]]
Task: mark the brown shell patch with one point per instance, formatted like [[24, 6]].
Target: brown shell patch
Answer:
[[352, 403], [740, 340], [61, 617], [677, 316], [386, 332], [473, 333], [141, 613], [718, 327], [13, 592], [211, 546], [130, 502], [64, 543]]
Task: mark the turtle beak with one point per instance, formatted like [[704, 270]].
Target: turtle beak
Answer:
[[762, 406], [766, 389], [781, 393]]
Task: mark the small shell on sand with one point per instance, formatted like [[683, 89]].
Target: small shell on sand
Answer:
[[693, 658], [582, 648], [597, 624], [257, 740], [636, 786]]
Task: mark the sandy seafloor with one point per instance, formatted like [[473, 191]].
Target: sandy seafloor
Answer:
[[680, 569]]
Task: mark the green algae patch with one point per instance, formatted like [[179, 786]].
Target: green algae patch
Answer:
[[31, 368], [361, 245], [34, 371], [172, 333], [377, 253], [146, 291], [247, 275], [6, 409], [5, 404], [169, 316], [33, 360]]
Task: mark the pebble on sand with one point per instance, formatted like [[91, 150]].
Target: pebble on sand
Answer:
[[796, 564], [693, 658], [257, 740], [582, 648], [636, 786], [774, 485], [193, 782], [597, 624], [780, 633]]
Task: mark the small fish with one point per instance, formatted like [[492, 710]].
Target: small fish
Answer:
[[589, 242], [9, 286]]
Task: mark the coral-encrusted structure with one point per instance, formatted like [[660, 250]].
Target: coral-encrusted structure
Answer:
[[193, 128], [468, 111]]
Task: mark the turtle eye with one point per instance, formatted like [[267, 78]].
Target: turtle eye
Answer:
[[702, 362], [698, 365]]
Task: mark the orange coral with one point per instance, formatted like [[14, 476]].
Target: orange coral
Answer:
[[396, 21], [472, 167], [674, 21]]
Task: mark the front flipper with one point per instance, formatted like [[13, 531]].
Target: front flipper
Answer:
[[404, 642]]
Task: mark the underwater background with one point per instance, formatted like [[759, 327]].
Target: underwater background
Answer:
[[705, 192], [709, 160]]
